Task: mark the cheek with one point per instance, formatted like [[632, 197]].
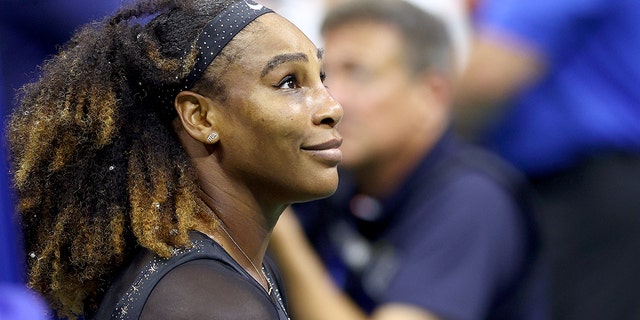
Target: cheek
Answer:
[[289, 121], [268, 116], [277, 132], [369, 108], [371, 119]]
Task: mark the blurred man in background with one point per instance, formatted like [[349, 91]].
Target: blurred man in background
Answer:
[[423, 226]]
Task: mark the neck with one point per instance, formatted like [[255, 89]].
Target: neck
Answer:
[[381, 180], [243, 235], [382, 177]]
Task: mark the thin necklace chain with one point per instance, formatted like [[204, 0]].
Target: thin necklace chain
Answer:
[[258, 271], [235, 243], [215, 214], [263, 273]]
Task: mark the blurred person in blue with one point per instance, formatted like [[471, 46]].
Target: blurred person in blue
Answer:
[[30, 31], [552, 86], [423, 225], [17, 302]]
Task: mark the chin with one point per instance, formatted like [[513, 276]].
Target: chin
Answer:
[[321, 189]]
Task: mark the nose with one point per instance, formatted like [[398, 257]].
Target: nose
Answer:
[[329, 113]]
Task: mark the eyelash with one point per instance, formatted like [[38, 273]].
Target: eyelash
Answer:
[[292, 78], [287, 79]]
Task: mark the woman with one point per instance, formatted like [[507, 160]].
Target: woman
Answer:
[[156, 153]]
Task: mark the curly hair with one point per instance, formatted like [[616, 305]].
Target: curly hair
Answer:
[[97, 167]]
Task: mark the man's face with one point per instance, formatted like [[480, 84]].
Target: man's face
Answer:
[[366, 74]]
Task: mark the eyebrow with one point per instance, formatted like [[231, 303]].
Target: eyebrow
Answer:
[[287, 57]]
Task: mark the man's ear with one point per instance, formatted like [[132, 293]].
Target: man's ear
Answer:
[[440, 88], [197, 114]]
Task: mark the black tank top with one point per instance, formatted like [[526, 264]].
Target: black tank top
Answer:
[[201, 282]]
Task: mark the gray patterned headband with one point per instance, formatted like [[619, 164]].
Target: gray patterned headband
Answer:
[[214, 37], [217, 34]]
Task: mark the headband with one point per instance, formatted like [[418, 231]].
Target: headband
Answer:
[[211, 40], [217, 34]]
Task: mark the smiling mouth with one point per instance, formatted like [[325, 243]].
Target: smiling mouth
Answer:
[[328, 152], [331, 144]]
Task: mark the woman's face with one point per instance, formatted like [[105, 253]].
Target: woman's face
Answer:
[[278, 134]]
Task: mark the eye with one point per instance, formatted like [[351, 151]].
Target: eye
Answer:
[[323, 76], [288, 82], [359, 73]]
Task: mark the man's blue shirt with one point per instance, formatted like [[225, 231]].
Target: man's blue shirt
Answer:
[[453, 239]]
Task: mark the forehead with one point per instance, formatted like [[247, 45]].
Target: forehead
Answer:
[[363, 41], [272, 35]]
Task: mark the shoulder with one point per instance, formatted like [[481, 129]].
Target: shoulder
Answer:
[[209, 289], [474, 193], [473, 178]]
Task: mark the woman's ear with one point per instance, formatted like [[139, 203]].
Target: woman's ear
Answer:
[[197, 114]]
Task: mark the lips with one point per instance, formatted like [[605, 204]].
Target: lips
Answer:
[[331, 144], [327, 152]]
